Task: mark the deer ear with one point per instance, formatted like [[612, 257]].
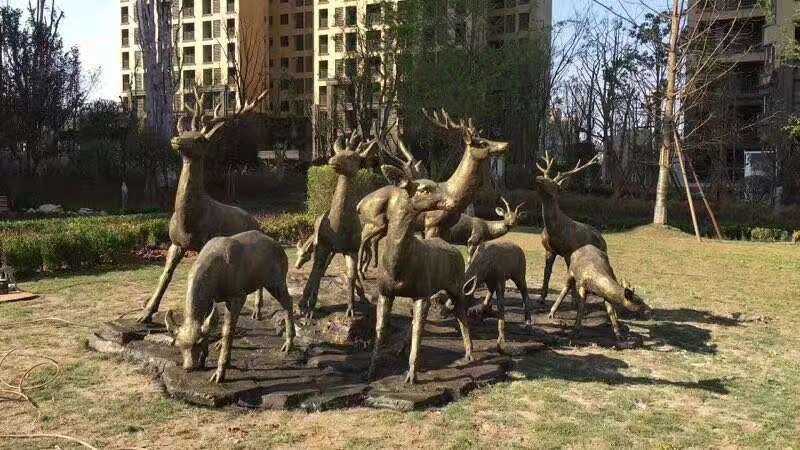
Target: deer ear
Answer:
[[500, 212], [395, 175], [470, 285], [209, 323], [169, 321]]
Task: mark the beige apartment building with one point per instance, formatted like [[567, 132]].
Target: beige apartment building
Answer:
[[764, 83], [295, 47]]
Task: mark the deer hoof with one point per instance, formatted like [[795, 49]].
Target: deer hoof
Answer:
[[350, 312], [411, 377], [256, 315], [286, 347], [218, 377], [145, 317], [468, 358]]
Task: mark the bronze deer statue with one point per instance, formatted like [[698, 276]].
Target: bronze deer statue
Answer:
[[459, 189], [226, 270], [339, 230], [591, 272], [493, 264], [561, 235], [472, 231], [416, 268], [198, 217]]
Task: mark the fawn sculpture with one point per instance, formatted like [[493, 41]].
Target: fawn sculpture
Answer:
[[226, 270], [591, 272], [339, 229], [459, 189], [472, 231], [493, 264], [416, 268], [561, 235], [198, 217]]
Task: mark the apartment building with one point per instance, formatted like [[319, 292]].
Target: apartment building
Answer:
[[764, 81], [207, 34]]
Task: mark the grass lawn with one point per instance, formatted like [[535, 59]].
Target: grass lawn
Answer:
[[711, 380]]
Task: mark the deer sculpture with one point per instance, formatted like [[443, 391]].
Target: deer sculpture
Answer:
[[198, 217], [459, 189], [338, 231], [591, 272], [472, 231], [416, 268], [561, 235], [493, 264], [226, 270]]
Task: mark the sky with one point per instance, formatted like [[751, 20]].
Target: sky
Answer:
[[92, 26]]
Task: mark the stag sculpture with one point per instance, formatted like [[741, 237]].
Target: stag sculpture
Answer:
[[198, 217], [416, 268], [561, 235], [493, 264], [591, 272], [338, 231], [226, 270], [459, 189], [472, 231], [305, 251]]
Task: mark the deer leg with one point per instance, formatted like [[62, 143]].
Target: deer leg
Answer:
[[350, 264], [256, 314], [281, 293], [472, 246], [487, 302], [612, 316], [569, 286], [234, 307], [174, 256], [522, 285], [461, 316], [384, 312], [501, 318], [311, 290], [549, 259], [581, 309], [417, 326]]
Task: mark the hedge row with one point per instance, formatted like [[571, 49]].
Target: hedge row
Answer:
[[81, 243], [322, 183]]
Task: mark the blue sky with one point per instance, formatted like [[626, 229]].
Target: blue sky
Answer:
[[92, 25]]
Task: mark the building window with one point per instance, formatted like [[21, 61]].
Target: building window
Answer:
[[339, 67], [351, 16], [373, 14], [126, 61], [323, 70], [351, 41], [125, 38], [284, 19], [126, 82], [284, 41], [298, 65], [208, 77], [206, 7], [208, 53], [338, 17], [188, 79], [511, 24], [123, 15], [231, 51], [188, 32], [207, 33], [231, 6], [231, 28], [187, 8], [299, 42], [323, 94], [323, 44], [309, 42], [524, 21], [284, 63], [188, 55], [323, 18], [299, 22]]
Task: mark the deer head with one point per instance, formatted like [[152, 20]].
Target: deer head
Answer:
[[550, 186], [305, 250], [633, 302], [510, 217], [476, 147], [423, 194], [192, 142], [191, 338], [348, 158]]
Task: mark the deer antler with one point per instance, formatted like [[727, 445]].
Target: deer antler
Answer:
[[443, 120], [548, 161], [561, 177], [218, 120], [516, 210], [508, 207]]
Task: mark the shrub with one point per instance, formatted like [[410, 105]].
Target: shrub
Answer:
[[768, 234], [22, 251], [288, 228], [322, 183]]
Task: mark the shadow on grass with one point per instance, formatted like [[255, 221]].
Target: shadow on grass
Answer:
[[601, 369], [693, 315], [66, 274]]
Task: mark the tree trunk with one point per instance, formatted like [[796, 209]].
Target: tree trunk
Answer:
[[668, 125], [679, 151]]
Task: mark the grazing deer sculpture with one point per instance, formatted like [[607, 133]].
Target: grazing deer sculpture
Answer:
[[226, 270], [561, 235], [472, 231], [416, 268], [591, 272], [338, 231], [198, 217], [459, 189], [493, 264]]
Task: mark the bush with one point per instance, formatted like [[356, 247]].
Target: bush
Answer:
[[322, 183], [288, 228], [768, 234], [22, 251]]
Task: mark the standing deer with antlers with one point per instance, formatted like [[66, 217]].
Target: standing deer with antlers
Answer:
[[197, 217], [472, 231], [459, 189], [560, 234], [339, 229]]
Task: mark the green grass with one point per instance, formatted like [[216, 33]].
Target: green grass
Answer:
[[710, 380]]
